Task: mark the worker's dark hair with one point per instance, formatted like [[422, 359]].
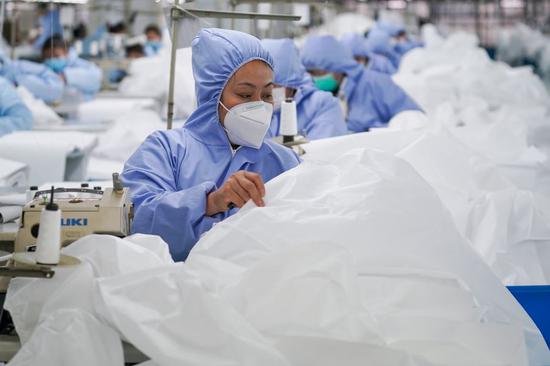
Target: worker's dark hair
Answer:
[[119, 27], [153, 28], [55, 41], [135, 48]]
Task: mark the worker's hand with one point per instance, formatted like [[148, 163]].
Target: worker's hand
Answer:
[[239, 188]]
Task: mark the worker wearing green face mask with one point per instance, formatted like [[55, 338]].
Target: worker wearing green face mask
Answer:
[[327, 82], [370, 99]]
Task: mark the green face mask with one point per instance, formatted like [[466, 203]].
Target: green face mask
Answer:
[[326, 82]]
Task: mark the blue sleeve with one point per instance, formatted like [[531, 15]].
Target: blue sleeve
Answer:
[[84, 76], [42, 82], [178, 216], [14, 115], [326, 118]]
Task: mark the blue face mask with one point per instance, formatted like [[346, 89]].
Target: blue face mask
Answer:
[[57, 64], [154, 45]]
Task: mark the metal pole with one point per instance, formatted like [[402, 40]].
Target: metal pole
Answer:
[[174, 16], [233, 7], [13, 30]]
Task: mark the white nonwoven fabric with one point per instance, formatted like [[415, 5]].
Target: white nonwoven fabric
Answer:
[[30, 301], [71, 337], [42, 113], [149, 76], [364, 266], [129, 130], [109, 109], [45, 152], [484, 150]]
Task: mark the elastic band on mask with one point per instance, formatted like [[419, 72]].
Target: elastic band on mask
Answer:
[[227, 109]]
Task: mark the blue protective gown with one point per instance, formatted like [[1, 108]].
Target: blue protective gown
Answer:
[[319, 113], [372, 98], [378, 42], [393, 30], [50, 24], [42, 82], [403, 47], [357, 44], [172, 172], [14, 114]]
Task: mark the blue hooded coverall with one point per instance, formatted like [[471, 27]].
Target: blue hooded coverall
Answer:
[[372, 98], [319, 113], [357, 44], [172, 172]]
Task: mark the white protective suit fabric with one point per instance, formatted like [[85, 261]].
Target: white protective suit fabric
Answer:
[[347, 267], [484, 151], [71, 337], [46, 153], [365, 266], [147, 76], [43, 115], [30, 301]]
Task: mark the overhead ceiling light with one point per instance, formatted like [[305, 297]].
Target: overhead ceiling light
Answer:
[[397, 4], [58, 1], [512, 3]]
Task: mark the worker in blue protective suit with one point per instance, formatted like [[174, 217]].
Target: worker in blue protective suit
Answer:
[[153, 43], [372, 98], [185, 180], [358, 47], [379, 42], [14, 114], [402, 42], [50, 25], [42, 82], [77, 74], [319, 113]]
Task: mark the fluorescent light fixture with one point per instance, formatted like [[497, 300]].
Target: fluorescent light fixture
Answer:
[[57, 1], [397, 4], [512, 3]]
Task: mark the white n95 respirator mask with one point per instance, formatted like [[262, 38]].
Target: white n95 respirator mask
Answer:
[[247, 123]]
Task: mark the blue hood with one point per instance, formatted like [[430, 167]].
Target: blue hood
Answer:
[[289, 71], [326, 53], [378, 41], [391, 29], [356, 43], [217, 55]]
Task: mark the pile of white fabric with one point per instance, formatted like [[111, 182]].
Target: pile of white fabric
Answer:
[[118, 143], [484, 148], [521, 43], [149, 76], [43, 115], [353, 261]]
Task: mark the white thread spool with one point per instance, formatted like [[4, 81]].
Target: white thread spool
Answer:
[[48, 244], [289, 119]]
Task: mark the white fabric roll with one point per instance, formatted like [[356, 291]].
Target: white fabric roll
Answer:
[[9, 213]]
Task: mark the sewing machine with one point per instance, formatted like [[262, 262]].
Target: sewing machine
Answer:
[[84, 210]]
